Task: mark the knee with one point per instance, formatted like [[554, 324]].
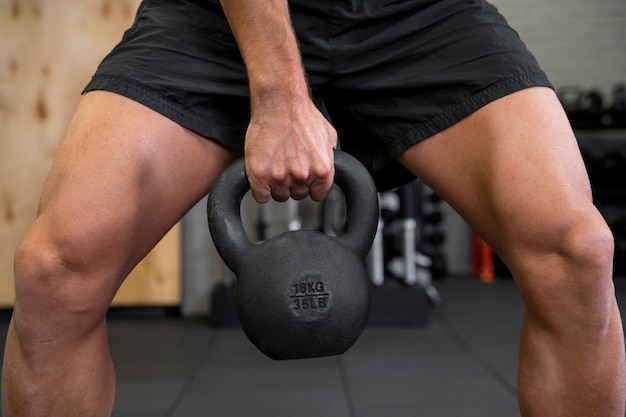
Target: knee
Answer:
[[586, 254], [589, 249], [53, 286], [567, 277]]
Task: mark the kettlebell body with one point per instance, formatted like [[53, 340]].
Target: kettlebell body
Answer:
[[299, 294], [312, 299]]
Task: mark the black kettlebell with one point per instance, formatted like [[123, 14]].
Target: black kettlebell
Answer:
[[299, 294]]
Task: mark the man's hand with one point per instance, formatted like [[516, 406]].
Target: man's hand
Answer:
[[289, 151]]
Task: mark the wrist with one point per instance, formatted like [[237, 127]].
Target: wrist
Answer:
[[278, 91]]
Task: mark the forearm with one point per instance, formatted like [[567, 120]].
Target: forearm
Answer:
[[268, 46], [289, 143]]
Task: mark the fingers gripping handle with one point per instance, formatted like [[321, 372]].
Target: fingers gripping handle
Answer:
[[224, 209]]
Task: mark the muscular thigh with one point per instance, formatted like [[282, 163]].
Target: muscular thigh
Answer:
[[513, 170], [122, 178]]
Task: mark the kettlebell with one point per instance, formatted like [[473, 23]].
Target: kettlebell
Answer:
[[299, 294]]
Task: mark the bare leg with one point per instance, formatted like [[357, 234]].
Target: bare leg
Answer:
[[122, 178], [514, 171]]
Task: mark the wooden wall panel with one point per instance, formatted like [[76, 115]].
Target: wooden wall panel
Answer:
[[48, 51]]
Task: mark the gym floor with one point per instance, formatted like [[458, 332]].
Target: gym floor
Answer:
[[461, 364]]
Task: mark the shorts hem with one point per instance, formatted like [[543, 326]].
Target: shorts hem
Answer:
[[187, 118], [411, 134]]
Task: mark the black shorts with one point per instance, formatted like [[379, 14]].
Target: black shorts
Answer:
[[387, 73]]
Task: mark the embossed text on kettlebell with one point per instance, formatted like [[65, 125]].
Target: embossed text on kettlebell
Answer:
[[309, 294]]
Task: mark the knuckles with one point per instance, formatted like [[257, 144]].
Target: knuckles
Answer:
[[296, 181]]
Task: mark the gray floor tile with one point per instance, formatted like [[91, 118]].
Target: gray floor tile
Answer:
[[407, 372], [147, 395], [5, 317], [485, 319], [4, 327], [158, 348], [237, 380], [148, 413]]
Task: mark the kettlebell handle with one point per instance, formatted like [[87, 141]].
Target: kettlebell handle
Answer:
[[224, 209]]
